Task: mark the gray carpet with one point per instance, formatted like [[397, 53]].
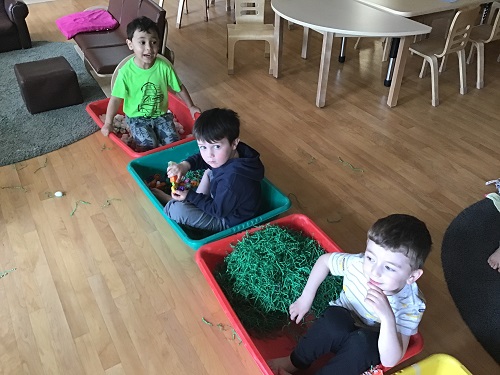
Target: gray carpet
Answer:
[[23, 135]]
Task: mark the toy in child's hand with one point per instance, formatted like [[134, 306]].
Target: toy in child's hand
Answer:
[[189, 181], [173, 179], [184, 183], [119, 124], [377, 370]]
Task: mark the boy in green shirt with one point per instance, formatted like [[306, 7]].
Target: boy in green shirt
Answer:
[[142, 85]]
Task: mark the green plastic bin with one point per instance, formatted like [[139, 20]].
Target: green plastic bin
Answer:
[[274, 202]]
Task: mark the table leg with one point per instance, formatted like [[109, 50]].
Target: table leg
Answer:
[[392, 60], [278, 45], [342, 50], [305, 42], [324, 69], [399, 68]]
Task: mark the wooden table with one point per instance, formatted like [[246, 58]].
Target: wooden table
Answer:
[[413, 8], [346, 18], [419, 10]]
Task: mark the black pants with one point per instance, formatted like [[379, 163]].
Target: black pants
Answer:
[[356, 349]]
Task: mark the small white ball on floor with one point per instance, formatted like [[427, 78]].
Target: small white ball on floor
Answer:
[[58, 194]]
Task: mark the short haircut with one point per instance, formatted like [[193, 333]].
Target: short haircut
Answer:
[[142, 24], [404, 234], [216, 124]]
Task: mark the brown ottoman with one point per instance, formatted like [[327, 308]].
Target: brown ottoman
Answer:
[[48, 84]]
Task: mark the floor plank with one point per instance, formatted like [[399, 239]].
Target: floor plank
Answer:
[[112, 290]]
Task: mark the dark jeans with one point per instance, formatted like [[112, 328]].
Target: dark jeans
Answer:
[[356, 349], [149, 133]]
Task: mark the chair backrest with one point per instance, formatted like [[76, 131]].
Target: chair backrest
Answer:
[[125, 11], [494, 21], [119, 66], [249, 11], [459, 32], [494, 9]]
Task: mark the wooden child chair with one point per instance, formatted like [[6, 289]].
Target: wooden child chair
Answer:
[[183, 5], [482, 34], [249, 26], [433, 49]]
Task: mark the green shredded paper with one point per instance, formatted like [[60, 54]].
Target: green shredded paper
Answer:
[[266, 272]]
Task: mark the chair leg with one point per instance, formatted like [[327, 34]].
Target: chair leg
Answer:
[[230, 55], [471, 53], [270, 45], [179, 13], [422, 70], [433, 62], [207, 4], [462, 67], [387, 49], [228, 5], [305, 40], [442, 67], [357, 43], [480, 65]]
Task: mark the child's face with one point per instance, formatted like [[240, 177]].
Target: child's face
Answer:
[[145, 46], [387, 270], [218, 153]]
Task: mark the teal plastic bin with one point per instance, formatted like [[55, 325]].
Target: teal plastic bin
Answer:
[[274, 202]]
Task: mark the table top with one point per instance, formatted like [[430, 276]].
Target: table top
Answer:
[[412, 8], [347, 18]]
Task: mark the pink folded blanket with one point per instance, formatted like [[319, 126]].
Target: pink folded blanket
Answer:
[[89, 20]]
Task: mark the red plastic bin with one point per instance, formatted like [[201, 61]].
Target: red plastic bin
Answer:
[[176, 105], [209, 256]]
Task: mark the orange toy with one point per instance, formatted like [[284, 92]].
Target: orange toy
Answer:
[[173, 179], [156, 182]]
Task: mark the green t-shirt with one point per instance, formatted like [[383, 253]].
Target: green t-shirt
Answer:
[[144, 91]]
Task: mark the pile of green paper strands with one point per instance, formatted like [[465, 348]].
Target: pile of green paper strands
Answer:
[[266, 272]]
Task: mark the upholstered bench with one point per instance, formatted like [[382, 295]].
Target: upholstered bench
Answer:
[[48, 84]]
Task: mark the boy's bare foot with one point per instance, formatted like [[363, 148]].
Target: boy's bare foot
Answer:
[[282, 366], [494, 260]]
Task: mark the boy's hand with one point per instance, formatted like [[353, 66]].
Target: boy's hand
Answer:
[[106, 129], [178, 170], [179, 195], [111, 111], [300, 308], [377, 300], [194, 109]]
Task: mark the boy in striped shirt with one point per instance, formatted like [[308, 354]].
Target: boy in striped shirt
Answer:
[[378, 309]]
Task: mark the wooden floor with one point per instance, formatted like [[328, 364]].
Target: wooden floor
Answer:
[[112, 290]]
